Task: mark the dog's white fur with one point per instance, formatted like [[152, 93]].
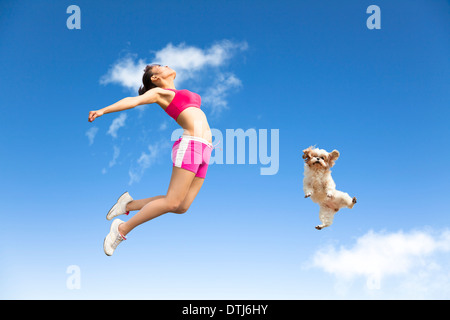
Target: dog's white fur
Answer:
[[319, 185]]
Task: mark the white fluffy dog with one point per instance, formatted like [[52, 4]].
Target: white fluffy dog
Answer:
[[319, 185]]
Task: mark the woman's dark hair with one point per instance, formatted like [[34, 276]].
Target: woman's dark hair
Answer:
[[147, 80]]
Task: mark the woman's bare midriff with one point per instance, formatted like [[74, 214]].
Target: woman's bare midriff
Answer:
[[193, 121]]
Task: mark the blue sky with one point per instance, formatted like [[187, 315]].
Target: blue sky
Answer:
[[310, 69]]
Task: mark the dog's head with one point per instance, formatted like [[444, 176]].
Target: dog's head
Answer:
[[319, 159]]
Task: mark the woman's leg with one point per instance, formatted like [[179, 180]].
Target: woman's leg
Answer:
[[192, 193], [139, 204], [180, 183]]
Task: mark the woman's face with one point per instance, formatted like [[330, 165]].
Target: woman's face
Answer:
[[163, 72]]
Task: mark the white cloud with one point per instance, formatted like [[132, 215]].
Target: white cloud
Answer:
[[163, 126], [117, 124], [215, 96], [91, 133], [115, 156], [190, 63], [155, 151], [125, 72], [113, 161], [376, 256], [189, 60]]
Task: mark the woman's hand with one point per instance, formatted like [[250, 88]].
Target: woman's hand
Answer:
[[95, 114]]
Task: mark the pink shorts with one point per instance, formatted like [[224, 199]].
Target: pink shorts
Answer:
[[192, 153]]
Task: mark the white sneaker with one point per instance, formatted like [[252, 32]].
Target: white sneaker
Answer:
[[113, 239], [120, 207]]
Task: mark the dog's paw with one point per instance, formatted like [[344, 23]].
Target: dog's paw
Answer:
[[353, 203], [307, 195]]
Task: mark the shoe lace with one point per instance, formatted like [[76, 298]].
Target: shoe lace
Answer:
[[118, 240]]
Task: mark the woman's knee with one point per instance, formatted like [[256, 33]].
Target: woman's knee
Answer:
[[179, 207], [174, 205]]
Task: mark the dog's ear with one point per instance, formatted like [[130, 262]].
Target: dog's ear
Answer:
[[306, 152], [332, 157]]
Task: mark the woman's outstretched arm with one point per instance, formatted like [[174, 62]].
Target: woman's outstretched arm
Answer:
[[151, 96]]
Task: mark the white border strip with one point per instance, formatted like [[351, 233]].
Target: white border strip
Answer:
[[182, 147], [186, 137]]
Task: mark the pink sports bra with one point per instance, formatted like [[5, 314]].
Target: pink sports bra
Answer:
[[183, 99]]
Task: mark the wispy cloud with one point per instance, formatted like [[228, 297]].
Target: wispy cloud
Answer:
[[376, 256], [115, 156], [91, 133], [163, 126], [146, 159], [215, 96], [201, 66], [113, 161], [126, 72], [188, 61], [117, 124]]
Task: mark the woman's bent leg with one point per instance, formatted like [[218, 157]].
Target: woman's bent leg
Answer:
[[178, 188], [191, 195], [139, 204]]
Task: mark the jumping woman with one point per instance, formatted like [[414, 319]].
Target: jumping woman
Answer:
[[190, 153]]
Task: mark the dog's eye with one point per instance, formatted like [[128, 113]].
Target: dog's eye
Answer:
[[322, 158]]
